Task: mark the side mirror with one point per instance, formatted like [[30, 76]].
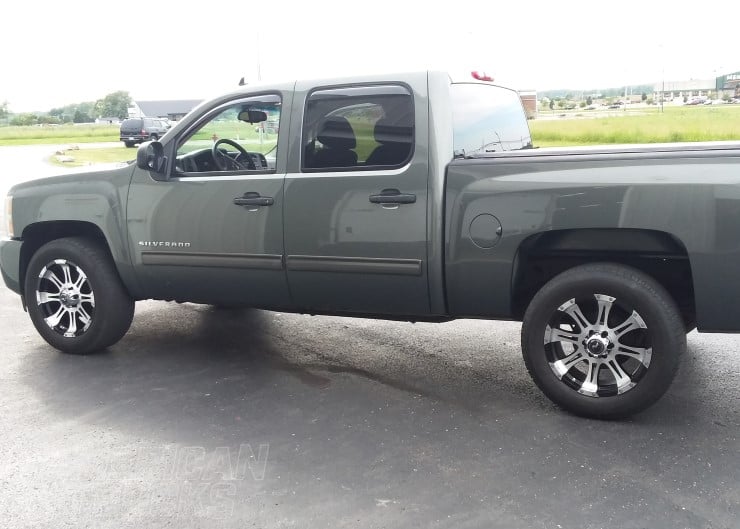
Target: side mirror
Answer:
[[150, 157]]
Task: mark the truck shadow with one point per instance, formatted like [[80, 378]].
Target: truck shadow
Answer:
[[185, 366]]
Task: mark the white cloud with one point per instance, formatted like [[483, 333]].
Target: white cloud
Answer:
[[55, 53]]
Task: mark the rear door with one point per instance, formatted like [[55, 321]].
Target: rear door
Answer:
[[356, 199], [131, 128]]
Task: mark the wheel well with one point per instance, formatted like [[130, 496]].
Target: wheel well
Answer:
[[658, 254], [36, 235]]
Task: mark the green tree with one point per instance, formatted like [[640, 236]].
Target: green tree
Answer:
[[552, 104], [4, 110], [76, 112], [589, 101], [644, 96], [49, 120], [113, 105], [81, 116], [25, 119]]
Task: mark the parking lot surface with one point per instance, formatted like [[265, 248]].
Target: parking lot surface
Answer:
[[213, 418]]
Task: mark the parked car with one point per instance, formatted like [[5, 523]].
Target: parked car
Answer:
[[138, 130], [370, 205]]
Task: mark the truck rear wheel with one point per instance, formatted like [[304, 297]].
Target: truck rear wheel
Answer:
[[603, 340], [75, 298]]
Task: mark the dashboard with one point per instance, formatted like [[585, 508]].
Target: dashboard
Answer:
[[201, 161]]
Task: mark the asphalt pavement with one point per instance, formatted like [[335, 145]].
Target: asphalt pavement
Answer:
[[213, 418]]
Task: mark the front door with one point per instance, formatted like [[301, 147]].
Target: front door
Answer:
[[213, 231], [356, 205]]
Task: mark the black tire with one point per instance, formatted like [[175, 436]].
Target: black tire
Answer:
[[128, 143], [609, 381], [96, 310]]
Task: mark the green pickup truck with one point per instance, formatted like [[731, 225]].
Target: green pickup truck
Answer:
[[407, 197]]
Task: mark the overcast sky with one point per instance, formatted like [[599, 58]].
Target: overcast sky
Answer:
[[60, 52]]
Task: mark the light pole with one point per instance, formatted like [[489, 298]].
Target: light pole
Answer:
[[259, 68], [662, 79]]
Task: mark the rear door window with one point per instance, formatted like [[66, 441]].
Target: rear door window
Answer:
[[358, 128]]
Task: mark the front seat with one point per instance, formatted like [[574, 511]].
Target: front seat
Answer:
[[395, 143], [338, 140]]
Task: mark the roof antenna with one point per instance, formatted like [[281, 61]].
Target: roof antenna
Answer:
[[242, 82]]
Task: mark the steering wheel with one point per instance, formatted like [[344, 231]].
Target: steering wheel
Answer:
[[227, 163]]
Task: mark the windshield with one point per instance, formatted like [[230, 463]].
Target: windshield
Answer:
[[487, 119]]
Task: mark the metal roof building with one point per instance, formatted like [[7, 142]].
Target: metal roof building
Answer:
[[172, 109]]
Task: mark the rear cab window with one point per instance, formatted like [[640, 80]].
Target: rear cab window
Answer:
[[487, 119], [358, 128]]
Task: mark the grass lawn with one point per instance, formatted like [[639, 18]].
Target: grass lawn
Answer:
[[58, 134], [92, 156], [676, 124]]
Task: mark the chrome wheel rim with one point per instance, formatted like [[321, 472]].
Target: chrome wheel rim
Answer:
[[65, 298], [598, 346]]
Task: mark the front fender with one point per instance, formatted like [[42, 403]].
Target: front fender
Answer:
[[96, 198]]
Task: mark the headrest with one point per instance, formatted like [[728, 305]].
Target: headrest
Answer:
[[387, 131], [337, 133]]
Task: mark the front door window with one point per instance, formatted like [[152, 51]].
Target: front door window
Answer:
[[239, 137]]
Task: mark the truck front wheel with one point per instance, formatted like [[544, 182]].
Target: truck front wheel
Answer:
[[603, 340], [75, 298]]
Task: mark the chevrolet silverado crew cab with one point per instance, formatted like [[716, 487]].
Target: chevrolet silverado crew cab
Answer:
[[406, 197]]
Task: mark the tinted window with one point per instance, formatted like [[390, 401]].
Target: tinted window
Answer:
[[488, 119], [358, 128], [131, 123]]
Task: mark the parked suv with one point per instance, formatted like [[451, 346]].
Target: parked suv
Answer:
[[137, 130]]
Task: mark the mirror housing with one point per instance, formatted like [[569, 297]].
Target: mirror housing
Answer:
[[150, 157], [252, 116]]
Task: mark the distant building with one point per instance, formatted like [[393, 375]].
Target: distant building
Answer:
[[110, 120], [725, 85], [174, 110], [729, 84], [529, 102]]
